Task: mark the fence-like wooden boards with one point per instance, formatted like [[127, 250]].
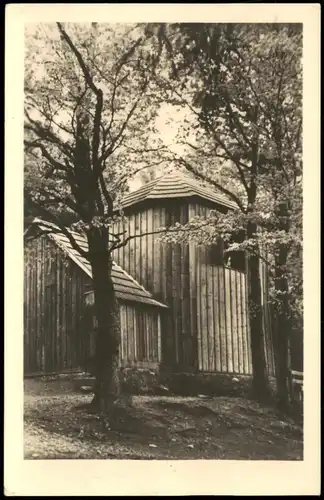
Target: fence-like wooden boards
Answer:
[[206, 326], [57, 325], [223, 340], [55, 339]]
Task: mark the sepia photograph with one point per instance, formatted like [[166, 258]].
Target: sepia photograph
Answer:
[[163, 241]]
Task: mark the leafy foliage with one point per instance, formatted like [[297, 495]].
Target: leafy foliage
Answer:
[[89, 119]]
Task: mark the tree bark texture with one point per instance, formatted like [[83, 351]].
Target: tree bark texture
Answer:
[[107, 385], [260, 381], [283, 321]]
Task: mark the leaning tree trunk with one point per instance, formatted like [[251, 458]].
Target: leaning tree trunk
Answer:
[[107, 385], [260, 382]]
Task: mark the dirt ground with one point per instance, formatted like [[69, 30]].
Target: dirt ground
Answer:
[[57, 427]]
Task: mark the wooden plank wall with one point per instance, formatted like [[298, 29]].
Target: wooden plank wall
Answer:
[[55, 339], [207, 323], [163, 269], [222, 312], [140, 336]]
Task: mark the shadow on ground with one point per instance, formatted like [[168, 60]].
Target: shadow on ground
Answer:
[[57, 425]]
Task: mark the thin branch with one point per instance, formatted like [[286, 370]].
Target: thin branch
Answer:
[[85, 70], [109, 151], [56, 164], [45, 134], [105, 193]]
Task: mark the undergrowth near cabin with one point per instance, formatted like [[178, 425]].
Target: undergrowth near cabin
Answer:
[[58, 426]]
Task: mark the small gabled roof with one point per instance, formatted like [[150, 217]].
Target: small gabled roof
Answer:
[[126, 287], [174, 185]]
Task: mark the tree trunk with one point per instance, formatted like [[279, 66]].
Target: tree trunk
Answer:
[[260, 381], [107, 385], [283, 321]]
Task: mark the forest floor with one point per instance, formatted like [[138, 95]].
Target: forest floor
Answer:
[[56, 426]]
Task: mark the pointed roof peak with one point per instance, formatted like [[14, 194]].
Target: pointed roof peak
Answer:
[[175, 184]]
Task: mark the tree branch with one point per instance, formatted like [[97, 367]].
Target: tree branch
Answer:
[[56, 164], [50, 217], [203, 177]]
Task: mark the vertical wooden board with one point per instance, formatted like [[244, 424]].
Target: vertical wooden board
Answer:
[[124, 342], [32, 311], [135, 335], [147, 336], [229, 338], [248, 325], [238, 321], [139, 335], [216, 322], [170, 332], [131, 325], [131, 249], [159, 333], [163, 262], [128, 339], [53, 309], [241, 319], [150, 335], [222, 318], [234, 329], [130, 333], [58, 312], [210, 318], [36, 311], [149, 254], [137, 248], [80, 319], [142, 275], [124, 251], [157, 260], [69, 318], [26, 314], [42, 301], [199, 307], [28, 310], [39, 301], [155, 335], [176, 290], [193, 304], [122, 332], [65, 313], [246, 346], [203, 301], [74, 319], [185, 296]]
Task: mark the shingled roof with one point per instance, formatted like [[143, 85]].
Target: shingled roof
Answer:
[[174, 185], [126, 287]]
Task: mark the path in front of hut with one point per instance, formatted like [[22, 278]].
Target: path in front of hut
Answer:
[[155, 427]]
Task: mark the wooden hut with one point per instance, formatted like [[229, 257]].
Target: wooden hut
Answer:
[[58, 318], [207, 326]]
